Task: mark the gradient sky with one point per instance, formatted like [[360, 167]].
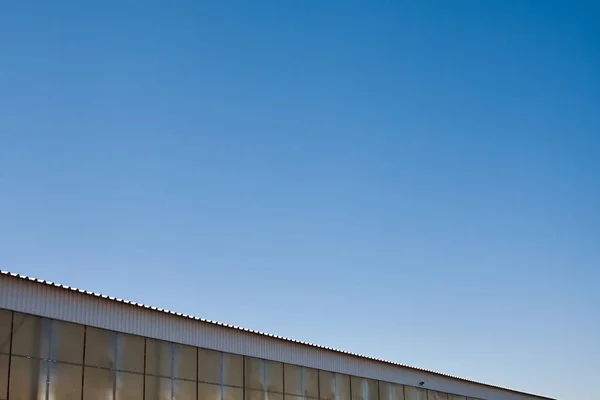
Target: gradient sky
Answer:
[[413, 180]]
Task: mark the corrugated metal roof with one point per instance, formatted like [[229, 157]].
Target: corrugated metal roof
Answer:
[[157, 309]]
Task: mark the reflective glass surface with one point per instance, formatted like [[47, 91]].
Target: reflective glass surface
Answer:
[[56, 360], [209, 366], [364, 389], [98, 384], [66, 342], [391, 391], [64, 381], [233, 370], [100, 348], [413, 393], [3, 377], [159, 358], [31, 336], [28, 379], [434, 395], [301, 381], [5, 328]]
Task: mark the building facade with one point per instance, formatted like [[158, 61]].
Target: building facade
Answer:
[[61, 343]]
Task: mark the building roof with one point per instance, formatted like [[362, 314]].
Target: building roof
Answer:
[[234, 327]]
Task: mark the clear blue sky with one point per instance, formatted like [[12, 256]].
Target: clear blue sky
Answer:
[[417, 181]]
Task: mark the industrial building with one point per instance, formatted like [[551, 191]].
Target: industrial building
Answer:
[[63, 343]]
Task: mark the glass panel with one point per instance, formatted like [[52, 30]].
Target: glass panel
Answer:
[[414, 393], [232, 393], [385, 390], [273, 396], [390, 391], [5, 321], [310, 382], [233, 370], [301, 381], [274, 376], [98, 384], [65, 381], [27, 379], [184, 390], [261, 395], [293, 379], [255, 373], [3, 376], [364, 389], [158, 388], [209, 366], [130, 353], [30, 336], [66, 342], [342, 387], [158, 357], [100, 347], [254, 395], [326, 385], [358, 388], [184, 362], [456, 397], [433, 395], [129, 386], [207, 391]]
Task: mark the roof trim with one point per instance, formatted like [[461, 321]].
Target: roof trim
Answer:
[[221, 324]]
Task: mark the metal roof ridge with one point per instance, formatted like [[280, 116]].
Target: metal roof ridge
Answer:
[[225, 325]]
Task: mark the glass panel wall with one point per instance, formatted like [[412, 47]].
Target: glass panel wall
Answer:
[[5, 329], [159, 358], [263, 379], [64, 381], [106, 349], [414, 393], [98, 383], [5, 333], [3, 376], [171, 371], [391, 391], [274, 376], [185, 362], [254, 373], [220, 375], [231, 393], [44, 359], [333, 386], [300, 381], [220, 368], [433, 395], [66, 342], [209, 366], [30, 336], [100, 348], [232, 371], [128, 386], [208, 391], [364, 389], [28, 379], [130, 353]]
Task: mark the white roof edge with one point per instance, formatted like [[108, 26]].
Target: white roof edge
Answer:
[[225, 325]]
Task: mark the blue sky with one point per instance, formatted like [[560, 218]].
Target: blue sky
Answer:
[[416, 181]]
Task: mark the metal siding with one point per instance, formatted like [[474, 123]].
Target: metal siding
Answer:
[[32, 297]]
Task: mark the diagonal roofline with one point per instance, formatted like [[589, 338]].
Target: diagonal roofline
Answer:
[[252, 331]]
